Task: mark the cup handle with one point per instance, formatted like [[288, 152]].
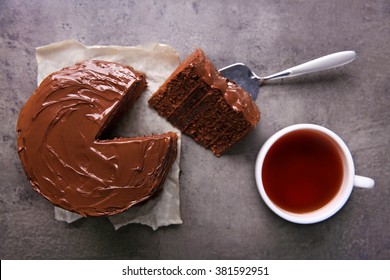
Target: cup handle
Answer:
[[363, 182]]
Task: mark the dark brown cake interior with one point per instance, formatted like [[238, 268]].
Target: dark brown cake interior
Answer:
[[212, 110]]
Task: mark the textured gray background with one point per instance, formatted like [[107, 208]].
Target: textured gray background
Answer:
[[223, 214]]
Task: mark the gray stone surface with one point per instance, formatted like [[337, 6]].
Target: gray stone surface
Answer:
[[223, 214]]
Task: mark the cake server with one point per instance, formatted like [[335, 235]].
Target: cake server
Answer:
[[247, 79]]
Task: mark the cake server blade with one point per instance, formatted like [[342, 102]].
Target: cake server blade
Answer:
[[247, 79]]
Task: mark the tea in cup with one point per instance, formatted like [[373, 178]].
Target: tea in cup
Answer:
[[305, 173]]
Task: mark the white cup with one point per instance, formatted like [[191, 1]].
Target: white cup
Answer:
[[349, 178]]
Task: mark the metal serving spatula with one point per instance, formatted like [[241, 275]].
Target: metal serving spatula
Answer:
[[247, 79]]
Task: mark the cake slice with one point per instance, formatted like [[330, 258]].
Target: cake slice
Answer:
[[211, 109]]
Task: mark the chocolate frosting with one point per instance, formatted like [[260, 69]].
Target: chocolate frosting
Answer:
[[235, 96], [58, 130]]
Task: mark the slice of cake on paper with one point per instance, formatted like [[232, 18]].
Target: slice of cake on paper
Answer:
[[211, 109]]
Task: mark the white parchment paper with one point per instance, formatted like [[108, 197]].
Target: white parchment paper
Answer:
[[157, 61]]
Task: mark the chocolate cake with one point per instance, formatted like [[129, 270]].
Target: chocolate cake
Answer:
[[58, 141], [211, 109]]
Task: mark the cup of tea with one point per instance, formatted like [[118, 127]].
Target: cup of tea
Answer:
[[305, 173]]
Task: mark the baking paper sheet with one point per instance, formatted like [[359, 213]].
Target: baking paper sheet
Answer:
[[157, 61]]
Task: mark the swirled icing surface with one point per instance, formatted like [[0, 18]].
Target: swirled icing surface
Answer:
[[58, 131]]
